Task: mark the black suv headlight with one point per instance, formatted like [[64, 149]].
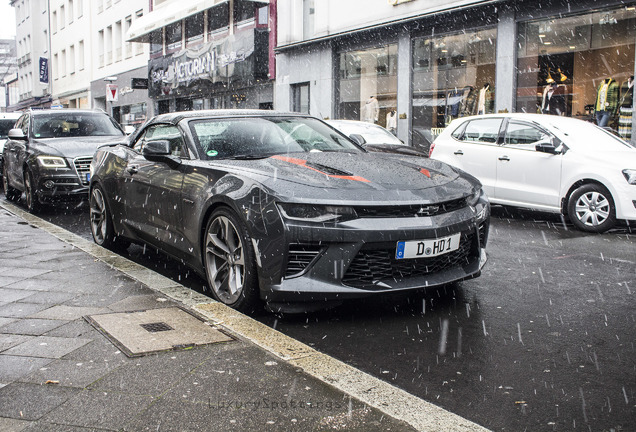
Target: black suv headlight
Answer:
[[51, 162], [316, 213]]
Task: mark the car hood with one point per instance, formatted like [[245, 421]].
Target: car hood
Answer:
[[395, 148], [72, 147], [623, 158], [357, 176]]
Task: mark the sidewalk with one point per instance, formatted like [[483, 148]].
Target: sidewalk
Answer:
[[92, 341]]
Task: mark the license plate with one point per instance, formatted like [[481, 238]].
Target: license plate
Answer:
[[427, 248]]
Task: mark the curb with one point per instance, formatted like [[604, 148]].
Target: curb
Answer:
[[388, 399]]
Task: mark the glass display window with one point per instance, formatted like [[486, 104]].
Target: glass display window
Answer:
[[367, 88], [453, 76], [577, 66]]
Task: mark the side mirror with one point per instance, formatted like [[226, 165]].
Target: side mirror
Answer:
[[545, 147], [159, 151], [128, 129], [17, 134], [358, 139]]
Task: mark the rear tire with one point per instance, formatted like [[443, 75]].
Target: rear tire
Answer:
[[591, 208], [102, 224], [230, 264], [12, 194]]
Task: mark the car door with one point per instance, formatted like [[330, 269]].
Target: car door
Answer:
[[15, 153], [152, 190], [526, 176], [474, 149]]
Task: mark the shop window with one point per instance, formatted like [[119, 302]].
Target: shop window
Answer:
[[218, 18], [572, 58], [453, 76], [194, 29], [156, 43], [300, 98], [367, 88], [173, 37], [243, 10]]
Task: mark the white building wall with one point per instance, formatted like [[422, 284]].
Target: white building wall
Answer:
[[32, 42], [86, 56]]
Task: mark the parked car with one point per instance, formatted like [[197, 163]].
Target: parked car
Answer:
[[281, 208], [7, 120], [374, 137], [48, 154], [544, 162]]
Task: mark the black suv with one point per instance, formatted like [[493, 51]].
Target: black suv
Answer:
[[48, 154]]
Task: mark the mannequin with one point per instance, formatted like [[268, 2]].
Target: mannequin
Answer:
[[481, 104], [606, 101], [391, 121], [371, 110], [626, 108], [553, 99]]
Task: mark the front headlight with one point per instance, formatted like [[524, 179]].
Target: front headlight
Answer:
[[51, 162], [474, 198], [630, 176], [316, 213]]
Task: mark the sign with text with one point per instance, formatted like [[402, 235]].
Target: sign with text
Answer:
[[44, 70]]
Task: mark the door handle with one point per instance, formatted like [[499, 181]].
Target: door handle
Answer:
[[504, 158], [459, 153], [133, 169]]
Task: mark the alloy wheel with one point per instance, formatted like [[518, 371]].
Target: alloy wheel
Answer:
[[225, 259], [98, 216]]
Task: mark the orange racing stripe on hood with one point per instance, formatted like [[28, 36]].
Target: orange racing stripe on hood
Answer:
[[303, 163]]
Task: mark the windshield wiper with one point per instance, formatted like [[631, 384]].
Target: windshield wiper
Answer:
[[248, 156]]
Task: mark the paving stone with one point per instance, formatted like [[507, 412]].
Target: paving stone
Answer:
[[14, 367], [34, 326], [40, 426], [68, 313], [10, 340], [13, 425], [141, 302], [5, 321], [26, 401], [50, 298], [20, 309], [70, 373], [34, 284], [74, 329], [47, 346], [11, 295], [99, 409], [24, 272]]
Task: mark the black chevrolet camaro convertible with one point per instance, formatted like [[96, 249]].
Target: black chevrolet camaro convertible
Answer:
[[283, 209]]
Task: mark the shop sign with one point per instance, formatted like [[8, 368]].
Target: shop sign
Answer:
[[217, 61]]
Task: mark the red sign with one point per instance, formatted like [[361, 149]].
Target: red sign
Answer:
[[111, 93]]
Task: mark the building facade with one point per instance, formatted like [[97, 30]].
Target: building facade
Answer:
[[33, 54], [8, 70], [417, 64], [209, 53]]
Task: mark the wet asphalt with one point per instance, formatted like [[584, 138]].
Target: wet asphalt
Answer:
[[542, 341]]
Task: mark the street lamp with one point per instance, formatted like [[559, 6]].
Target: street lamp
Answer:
[[109, 80]]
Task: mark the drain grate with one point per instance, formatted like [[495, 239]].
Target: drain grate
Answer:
[[156, 327]]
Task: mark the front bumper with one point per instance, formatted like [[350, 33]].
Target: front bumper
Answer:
[[68, 184], [322, 264]]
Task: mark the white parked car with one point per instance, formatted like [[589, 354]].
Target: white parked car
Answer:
[[544, 162]]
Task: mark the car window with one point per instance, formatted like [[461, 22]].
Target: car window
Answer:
[[25, 125], [482, 130], [524, 135], [5, 126], [163, 132]]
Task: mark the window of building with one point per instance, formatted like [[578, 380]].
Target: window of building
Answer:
[[63, 63], [308, 19], [108, 45], [54, 22], [139, 47], [218, 18], [300, 98], [367, 88], [128, 45], [56, 64], [156, 43], [453, 76], [243, 10], [173, 37], [117, 33], [62, 17], [70, 11], [194, 29], [563, 63], [262, 15], [81, 55], [71, 59], [80, 8], [100, 48]]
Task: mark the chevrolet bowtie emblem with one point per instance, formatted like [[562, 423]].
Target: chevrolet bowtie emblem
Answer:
[[428, 210]]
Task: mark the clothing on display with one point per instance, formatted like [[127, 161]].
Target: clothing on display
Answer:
[[481, 101], [553, 101], [606, 101], [391, 121], [371, 110], [626, 108]]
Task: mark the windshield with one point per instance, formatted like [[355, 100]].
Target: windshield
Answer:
[[252, 137], [5, 126], [73, 125], [372, 134], [588, 136]]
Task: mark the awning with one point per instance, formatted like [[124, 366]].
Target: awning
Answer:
[[169, 13]]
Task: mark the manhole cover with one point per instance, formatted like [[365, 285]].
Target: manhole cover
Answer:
[[143, 332]]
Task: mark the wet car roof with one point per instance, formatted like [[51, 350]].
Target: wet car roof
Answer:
[[176, 117]]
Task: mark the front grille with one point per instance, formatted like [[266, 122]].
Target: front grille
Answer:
[[299, 257], [371, 266], [483, 234], [411, 210], [82, 167]]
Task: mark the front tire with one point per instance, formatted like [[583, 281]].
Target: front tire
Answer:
[[102, 224], [12, 194], [30, 191], [591, 208], [229, 262]]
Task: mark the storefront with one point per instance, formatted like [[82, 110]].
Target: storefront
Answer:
[[487, 57]]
